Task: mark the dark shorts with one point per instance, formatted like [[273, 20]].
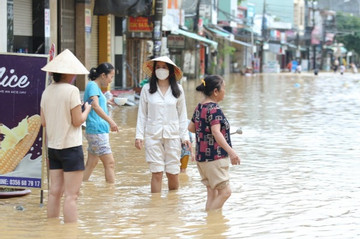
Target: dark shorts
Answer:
[[69, 159]]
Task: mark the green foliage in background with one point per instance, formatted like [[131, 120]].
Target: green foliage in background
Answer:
[[227, 50], [348, 31]]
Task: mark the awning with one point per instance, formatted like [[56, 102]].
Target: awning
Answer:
[[246, 29], [195, 36], [218, 32], [133, 8], [338, 49], [228, 36], [240, 42], [291, 45]]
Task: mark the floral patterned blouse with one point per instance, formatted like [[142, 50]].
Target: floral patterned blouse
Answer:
[[206, 115]]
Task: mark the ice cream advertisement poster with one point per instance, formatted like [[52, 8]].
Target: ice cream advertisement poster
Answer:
[[21, 139]]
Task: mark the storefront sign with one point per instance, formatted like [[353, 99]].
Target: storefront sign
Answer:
[[140, 24], [21, 85], [271, 67], [250, 14], [176, 41], [47, 22], [87, 20]]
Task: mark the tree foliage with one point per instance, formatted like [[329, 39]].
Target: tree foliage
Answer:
[[348, 31]]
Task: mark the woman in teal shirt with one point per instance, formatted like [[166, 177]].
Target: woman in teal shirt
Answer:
[[99, 123]]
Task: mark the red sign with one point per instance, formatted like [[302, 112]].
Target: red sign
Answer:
[[140, 24], [52, 52]]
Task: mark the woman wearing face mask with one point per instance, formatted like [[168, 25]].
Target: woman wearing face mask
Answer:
[[162, 121]]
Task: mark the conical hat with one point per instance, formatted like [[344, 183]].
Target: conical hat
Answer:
[[148, 66], [66, 63]]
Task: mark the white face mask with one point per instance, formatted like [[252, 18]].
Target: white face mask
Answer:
[[162, 74]]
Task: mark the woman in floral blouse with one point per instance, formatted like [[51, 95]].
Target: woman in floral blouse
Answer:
[[213, 144]]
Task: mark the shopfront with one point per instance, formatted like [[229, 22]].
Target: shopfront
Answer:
[[25, 26]]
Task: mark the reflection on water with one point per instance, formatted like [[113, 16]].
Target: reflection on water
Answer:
[[299, 176]]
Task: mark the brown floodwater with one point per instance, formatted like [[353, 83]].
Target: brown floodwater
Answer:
[[299, 175]]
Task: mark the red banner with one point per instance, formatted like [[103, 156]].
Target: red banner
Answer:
[[140, 24]]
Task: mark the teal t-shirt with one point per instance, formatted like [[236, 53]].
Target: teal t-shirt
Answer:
[[94, 123]]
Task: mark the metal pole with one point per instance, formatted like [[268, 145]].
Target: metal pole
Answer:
[[314, 46], [263, 34], [252, 42], [157, 28]]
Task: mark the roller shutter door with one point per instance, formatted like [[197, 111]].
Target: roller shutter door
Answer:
[[67, 25], [23, 18], [94, 46]]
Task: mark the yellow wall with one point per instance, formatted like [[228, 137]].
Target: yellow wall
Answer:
[[104, 39]]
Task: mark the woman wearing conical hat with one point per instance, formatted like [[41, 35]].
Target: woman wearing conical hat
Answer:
[[162, 121], [62, 117]]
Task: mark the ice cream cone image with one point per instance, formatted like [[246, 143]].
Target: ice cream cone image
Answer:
[[17, 142]]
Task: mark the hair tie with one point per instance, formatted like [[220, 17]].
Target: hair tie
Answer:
[[203, 82]]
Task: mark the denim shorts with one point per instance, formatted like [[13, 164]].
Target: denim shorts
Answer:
[[98, 144], [69, 159]]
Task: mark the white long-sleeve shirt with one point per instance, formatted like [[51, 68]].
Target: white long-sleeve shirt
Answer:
[[162, 116]]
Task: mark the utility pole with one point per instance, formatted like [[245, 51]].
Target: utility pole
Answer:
[[197, 17], [314, 46], [157, 31], [263, 35], [250, 23]]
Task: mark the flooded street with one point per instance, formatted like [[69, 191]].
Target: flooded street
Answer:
[[299, 176]]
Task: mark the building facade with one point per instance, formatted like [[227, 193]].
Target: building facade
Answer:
[[33, 26], [202, 37]]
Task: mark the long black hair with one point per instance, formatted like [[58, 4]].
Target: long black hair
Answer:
[[209, 84], [102, 68], [172, 80]]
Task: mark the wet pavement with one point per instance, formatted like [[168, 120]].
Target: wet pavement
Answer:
[[299, 176]]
